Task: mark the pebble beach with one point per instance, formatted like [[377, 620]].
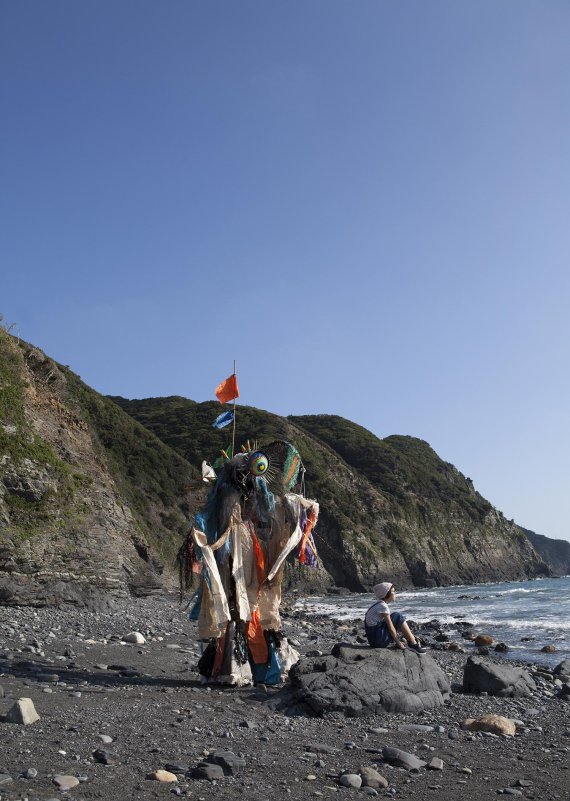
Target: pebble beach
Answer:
[[120, 719]]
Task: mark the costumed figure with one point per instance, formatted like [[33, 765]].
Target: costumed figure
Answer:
[[252, 521]]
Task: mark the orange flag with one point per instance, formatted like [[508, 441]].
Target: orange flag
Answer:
[[228, 389]]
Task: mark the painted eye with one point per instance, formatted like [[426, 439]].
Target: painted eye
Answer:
[[258, 464]]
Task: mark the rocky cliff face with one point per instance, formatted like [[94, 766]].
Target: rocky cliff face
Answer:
[[556, 553], [74, 526]]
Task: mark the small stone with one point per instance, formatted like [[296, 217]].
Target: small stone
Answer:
[[548, 649], [320, 748], [491, 724], [162, 776], [65, 782], [351, 780], [208, 771], [105, 757], [105, 738], [402, 759], [134, 637], [512, 791], [230, 763], [176, 767], [22, 712], [371, 778], [310, 777], [418, 727], [30, 773], [5, 778], [436, 764], [483, 639]]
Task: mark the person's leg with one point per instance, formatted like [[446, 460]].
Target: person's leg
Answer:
[[408, 634], [400, 625], [399, 622]]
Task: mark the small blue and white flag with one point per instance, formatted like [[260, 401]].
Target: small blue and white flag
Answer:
[[223, 420]]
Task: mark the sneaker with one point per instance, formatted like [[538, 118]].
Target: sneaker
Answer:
[[419, 649]]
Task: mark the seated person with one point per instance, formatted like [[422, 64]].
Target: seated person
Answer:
[[382, 627]]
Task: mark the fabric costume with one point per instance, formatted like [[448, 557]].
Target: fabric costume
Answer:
[[239, 543]]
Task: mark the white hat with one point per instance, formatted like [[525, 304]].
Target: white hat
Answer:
[[382, 590]]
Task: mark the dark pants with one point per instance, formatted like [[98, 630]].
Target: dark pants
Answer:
[[378, 636]]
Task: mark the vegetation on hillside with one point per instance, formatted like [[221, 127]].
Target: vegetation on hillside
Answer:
[[18, 443], [380, 499], [150, 475], [405, 468]]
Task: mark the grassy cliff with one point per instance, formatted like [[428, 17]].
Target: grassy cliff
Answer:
[[88, 496]]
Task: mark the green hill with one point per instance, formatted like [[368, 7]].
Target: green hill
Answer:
[[388, 507]]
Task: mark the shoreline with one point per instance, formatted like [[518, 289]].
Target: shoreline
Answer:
[[86, 684], [501, 610]]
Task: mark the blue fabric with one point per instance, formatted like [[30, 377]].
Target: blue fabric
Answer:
[[378, 636], [265, 498], [223, 420], [196, 602], [269, 672]]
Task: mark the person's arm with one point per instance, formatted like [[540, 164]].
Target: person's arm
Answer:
[[393, 632]]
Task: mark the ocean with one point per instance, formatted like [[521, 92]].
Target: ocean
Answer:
[[526, 615]]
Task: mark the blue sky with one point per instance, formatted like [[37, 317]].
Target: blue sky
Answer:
[[365, 204]]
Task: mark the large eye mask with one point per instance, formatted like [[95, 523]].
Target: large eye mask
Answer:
[[258, 463]]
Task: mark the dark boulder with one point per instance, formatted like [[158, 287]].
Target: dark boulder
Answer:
[[355, 681], [402, 759], [507, 682], [563, 668]]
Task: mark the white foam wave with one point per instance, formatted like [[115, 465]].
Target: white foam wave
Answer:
[[545, 624]]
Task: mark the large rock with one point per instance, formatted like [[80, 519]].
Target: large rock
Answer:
[[357, 680], [481, 676]]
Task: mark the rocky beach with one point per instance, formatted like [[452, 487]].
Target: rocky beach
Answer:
[[131, 720]]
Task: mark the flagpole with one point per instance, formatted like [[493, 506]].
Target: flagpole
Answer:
[[234, 428]]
